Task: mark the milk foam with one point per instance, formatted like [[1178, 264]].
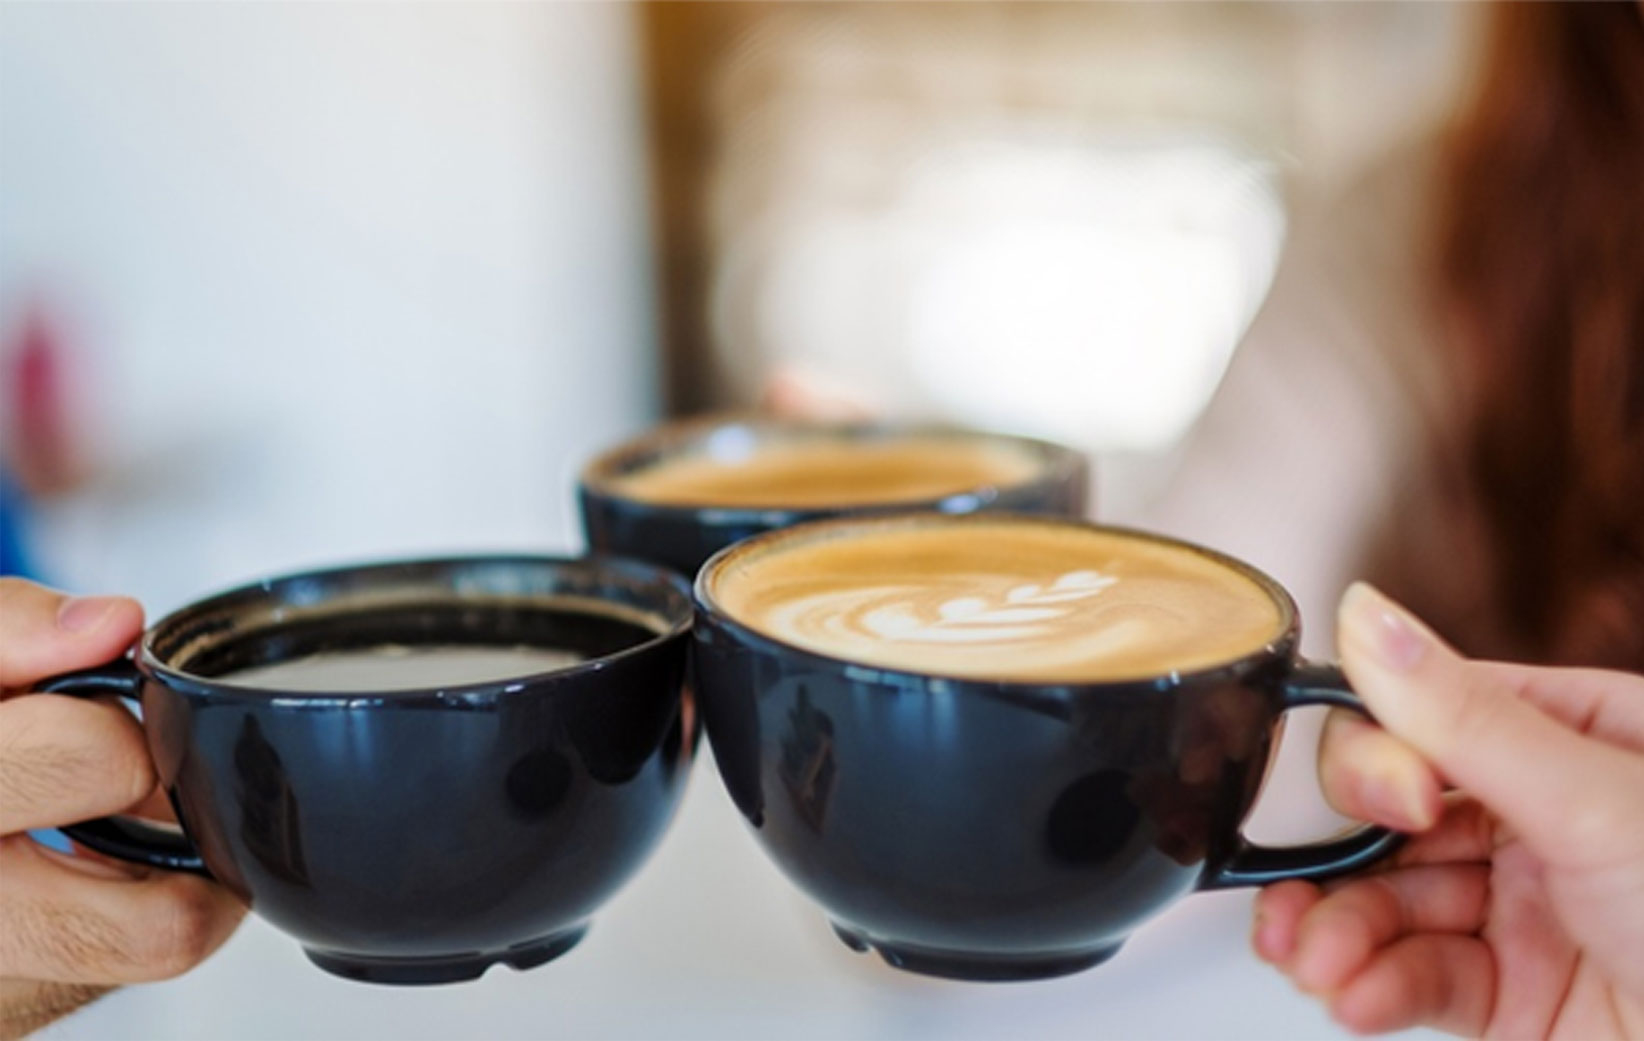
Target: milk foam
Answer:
[[823, 472], [1003, 599]]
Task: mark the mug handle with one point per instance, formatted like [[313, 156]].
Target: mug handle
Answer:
[[123, 837], [1254, 865]]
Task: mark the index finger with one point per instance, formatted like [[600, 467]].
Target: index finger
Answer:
[[1599, 703], [44, 632]]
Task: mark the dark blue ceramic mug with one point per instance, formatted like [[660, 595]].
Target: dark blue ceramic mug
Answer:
[[418, 821], [680, 493], [992, 746]]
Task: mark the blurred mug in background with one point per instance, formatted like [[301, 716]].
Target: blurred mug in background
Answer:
[[679, 493]]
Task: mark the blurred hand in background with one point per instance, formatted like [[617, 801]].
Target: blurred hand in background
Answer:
[[793, 392]]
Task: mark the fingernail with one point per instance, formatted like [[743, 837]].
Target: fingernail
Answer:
[[85, 613], [1396, 639]]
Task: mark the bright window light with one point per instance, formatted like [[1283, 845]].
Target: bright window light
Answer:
[[1092, 294], [1086, 289]]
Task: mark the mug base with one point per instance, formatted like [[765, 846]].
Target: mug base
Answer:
[[450, 969], [978, 967]]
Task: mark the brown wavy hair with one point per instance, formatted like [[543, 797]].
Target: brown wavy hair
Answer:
[[1539, 269]]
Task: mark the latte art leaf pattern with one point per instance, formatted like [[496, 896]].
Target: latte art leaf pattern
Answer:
[[974, 619], [1006, 599], [1075, 585]]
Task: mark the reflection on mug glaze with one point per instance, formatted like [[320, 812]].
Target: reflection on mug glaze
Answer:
[[1092, 819], [270, 820], [808, 768], [615, 755], [1213, 742], [1179, 814], [538, 782]]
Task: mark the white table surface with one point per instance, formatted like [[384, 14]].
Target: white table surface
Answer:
[[709, 941]]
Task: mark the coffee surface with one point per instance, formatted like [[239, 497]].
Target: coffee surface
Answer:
[[401, 667], [805, 473], [1005, 600]]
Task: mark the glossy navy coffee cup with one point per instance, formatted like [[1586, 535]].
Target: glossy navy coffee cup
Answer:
[[416, 835], [681, 535], [995, 830]]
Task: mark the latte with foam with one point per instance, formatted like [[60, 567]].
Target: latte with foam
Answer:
[[1001, 599], [826, 472]]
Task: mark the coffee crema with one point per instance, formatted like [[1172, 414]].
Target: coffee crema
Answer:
[[831, 472], [999, 599]]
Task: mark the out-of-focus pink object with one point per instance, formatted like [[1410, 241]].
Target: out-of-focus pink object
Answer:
[[793, 392], [40, 442]]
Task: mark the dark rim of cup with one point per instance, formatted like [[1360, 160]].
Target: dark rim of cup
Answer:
[[601, 475], [1282, 645], [677, 616]]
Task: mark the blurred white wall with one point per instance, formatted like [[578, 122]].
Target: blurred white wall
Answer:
[[347, 281]]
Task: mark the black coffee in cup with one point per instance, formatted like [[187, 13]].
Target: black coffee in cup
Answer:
[[427, 645], [396, 666], [417, 769]]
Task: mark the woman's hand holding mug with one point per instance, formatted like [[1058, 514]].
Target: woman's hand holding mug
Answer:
[[1518, 908]]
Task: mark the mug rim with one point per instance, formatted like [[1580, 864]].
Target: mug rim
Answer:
[[1282, 645], [599, 475], [679, 625]]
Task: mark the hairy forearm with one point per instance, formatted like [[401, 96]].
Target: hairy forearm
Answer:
[[28, 1005]]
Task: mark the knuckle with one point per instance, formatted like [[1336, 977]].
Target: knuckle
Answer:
[[54, 752], [182, 931], [125, 767], [18, 599], [1602, 820], [1384, 908]]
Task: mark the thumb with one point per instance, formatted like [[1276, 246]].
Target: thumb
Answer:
[[1563, 793], [43, 632]]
